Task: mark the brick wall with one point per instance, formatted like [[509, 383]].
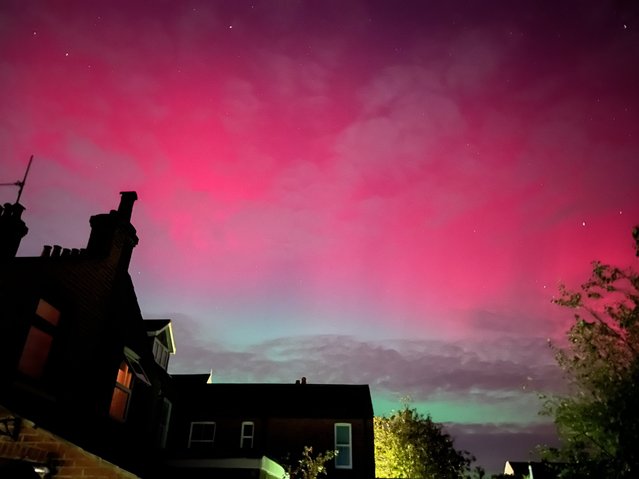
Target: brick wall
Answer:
[[68, 460]]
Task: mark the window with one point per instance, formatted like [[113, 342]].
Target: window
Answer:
[[246, 438], [160, 353], [130, 367], [344, 458], [121, 392], [134, 364], [163, 426], [39, 340], [202, 435], [48, 312]]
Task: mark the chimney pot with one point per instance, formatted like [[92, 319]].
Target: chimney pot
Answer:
[[56, 251], [303, 379], [127, 199], [66, 252], [12, 229], [46, 251]]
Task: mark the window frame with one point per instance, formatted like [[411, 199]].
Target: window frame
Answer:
[[161, 353], [44, 324], [245, 436], [166, 409], [126, 389], [201, 442], [342, 445], [135, 372], [133, 360]]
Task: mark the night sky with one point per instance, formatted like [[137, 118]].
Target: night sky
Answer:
[[352, 191]]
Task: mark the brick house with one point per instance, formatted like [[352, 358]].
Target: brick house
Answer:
[[78, 358], [213, 423], [85, 391]]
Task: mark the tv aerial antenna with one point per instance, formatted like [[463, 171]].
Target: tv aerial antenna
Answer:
[[18, 183]]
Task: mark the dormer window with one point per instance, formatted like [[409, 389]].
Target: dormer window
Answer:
[[160, 353], [129, 369], [161, 334]]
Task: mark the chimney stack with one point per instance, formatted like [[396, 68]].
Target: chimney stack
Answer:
[[12, 229], [112, 234]]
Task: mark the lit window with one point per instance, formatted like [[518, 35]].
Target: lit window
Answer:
[[121, 392], [163, 426], [35, 352], [129, 367], [37, 346], [202, 435], [344, 458], [246, 438], [48, 312]]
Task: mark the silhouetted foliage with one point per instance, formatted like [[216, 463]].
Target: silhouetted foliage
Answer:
[[598, 421], [410, 445], [309, 466]]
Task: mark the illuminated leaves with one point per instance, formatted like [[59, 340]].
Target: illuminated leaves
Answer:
[[410, 445], [309, 466]]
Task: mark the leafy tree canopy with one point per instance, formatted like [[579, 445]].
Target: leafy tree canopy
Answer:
[[598, 420], [410, 445]]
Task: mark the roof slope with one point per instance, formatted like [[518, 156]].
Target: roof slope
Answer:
[[280, 400]]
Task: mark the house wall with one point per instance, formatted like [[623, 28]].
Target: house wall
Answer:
[[288, 437], [280, 439], [69, 461], [99, 316]]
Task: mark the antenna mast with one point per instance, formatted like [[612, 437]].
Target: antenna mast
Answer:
[[20, 183]]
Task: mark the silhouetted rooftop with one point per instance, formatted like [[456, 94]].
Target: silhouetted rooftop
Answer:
[[279, 400]]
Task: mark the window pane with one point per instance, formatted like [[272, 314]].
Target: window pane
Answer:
[[202, 431], [35, 352], [119, 403], [246, 439], [342, 435], [124, 375], [48, 312], [247, 429], [343, 456]]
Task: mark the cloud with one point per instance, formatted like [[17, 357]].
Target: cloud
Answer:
[[493, 445], [495, 370]]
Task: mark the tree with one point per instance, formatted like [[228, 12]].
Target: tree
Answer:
[[410, 445], [309, 467], [598, 419]]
